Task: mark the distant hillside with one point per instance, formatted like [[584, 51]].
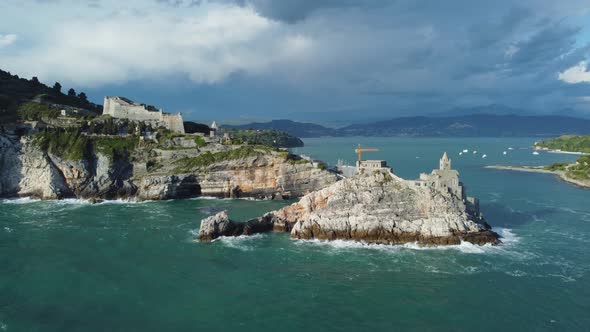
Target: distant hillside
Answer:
[[299, 129], [16, 92], [569, 143], [474, 125]]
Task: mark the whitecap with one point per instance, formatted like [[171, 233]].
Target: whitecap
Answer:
[[464, 247], [242, 242], [21, 200]]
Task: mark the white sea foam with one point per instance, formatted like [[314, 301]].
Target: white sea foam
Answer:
[[22, 200], [204, 198], [508, 238], [242, 242], [464, 247]]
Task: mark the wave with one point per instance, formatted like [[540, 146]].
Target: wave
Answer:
[[21, 200], [508, 238], [242, 242]]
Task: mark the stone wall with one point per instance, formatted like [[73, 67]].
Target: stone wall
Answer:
[[122, 108]]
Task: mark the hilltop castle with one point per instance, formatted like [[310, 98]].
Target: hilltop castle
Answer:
[[123, 108]]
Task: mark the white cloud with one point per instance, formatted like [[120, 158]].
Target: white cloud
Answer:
[[7, 40], [576, 74], [208, 46]]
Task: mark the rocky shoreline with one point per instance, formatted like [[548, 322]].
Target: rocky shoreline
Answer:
[[26, 170], [371, 207], [540, 169]]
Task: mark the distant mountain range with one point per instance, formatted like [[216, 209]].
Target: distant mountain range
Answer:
[[474, 125]]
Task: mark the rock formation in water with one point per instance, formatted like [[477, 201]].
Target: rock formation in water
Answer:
[[378, 207], [27, 170]]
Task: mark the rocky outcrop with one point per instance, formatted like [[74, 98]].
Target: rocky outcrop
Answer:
[[378, 208], [220, 225], [381, 208], [27, 170]]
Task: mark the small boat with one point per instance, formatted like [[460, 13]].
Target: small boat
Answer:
[[510, 148], [484, 156], [535, 153], [504, 153], [465, 151], [474, 151], [460, 153]]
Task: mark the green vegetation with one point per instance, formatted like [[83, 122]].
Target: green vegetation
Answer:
[[580, 170], [293, 159], [36, 111], [16, 91], [268, 137], [208, 158], [193, 127], [569, 143], [200, 141], [115, 147], [65, 143], [71, 144], [556, 167], [322, 166]]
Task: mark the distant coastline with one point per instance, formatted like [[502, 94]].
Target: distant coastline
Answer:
[[559, 151], [540, 169]]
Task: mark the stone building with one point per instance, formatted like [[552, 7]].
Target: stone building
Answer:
[[123, 108], [446, 180]]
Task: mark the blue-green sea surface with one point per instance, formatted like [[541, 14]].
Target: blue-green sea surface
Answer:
[[117, 266]]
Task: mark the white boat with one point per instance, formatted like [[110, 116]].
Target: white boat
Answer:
[[504, 153], [535, 153], [484, 156], [465, 151], [460, 153], [510, 148], [474, 151]]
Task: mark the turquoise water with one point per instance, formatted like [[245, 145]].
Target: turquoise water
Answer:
[[73, 266]]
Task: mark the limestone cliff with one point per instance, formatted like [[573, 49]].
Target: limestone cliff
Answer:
[[28, 170], [376, 208]]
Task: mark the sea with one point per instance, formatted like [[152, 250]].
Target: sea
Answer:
[[122, 266]]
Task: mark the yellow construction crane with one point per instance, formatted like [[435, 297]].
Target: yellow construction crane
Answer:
[[360, 151]]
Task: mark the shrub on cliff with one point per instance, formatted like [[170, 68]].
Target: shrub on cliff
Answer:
[[65, 143]]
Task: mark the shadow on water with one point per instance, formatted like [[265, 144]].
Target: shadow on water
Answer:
[[503, 216]]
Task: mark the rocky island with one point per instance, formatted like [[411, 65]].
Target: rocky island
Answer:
[[374, 206]]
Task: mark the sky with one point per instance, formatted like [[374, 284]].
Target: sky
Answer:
[[348, 60]]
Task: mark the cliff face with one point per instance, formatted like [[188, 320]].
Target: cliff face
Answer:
[[378, 208], [27, 170]]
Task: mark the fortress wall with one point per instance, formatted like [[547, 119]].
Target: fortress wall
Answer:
[[120, 109], [173, 122]]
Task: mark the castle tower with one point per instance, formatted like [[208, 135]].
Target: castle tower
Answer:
[[445, 162], [213, 129]]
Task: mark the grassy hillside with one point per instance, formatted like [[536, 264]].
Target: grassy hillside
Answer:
[[16, 94], [569, 143]]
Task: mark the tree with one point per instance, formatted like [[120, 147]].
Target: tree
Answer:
[[83, 97], [35, 80], [71, 93], [57, 87]]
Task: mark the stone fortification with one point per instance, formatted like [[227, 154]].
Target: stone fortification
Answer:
[[123, 108]]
